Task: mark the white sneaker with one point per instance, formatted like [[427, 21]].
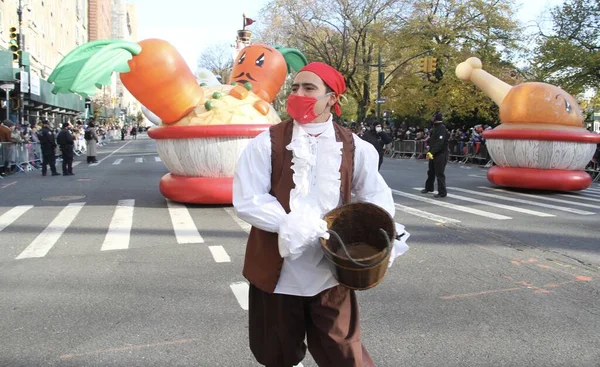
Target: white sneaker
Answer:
[[299, 365]]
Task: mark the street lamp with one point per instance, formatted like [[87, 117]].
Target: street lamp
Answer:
[[7, 87], [20, 7]]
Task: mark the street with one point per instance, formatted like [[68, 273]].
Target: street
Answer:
[[98, 269]]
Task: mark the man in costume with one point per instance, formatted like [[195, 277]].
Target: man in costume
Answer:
[[286, 179]]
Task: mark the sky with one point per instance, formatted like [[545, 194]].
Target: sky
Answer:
[[192, 25]]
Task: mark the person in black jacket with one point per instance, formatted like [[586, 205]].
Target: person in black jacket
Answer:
[[378, 138], [66, 142], [48, 145], [438, 157]]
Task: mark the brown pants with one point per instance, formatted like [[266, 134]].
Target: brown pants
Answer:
[[329, 320]]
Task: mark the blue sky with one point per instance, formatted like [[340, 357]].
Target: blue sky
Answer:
[[192, 25]]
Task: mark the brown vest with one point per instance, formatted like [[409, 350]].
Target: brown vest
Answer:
[[262, 264]]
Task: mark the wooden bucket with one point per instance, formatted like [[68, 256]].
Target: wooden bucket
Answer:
[[360, 242]]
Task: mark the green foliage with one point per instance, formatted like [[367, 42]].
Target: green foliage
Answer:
[[139, 117], [350, 34], [570, 55]]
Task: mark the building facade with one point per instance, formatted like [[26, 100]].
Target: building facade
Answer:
[[124, 27], [50, 29], [100, 19]]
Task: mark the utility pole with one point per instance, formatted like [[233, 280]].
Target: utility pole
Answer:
[[379, 85], [20, 116]]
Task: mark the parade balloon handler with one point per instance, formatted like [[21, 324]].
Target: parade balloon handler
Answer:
[[286, 180], [203, 129], [541, 142]]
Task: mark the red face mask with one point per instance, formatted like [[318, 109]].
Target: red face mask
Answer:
[[302, 109]]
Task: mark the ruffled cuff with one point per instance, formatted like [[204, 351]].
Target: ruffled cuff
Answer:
[[300, 229], [399, 247]]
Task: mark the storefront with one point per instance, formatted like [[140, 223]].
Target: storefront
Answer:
[[38, 101]]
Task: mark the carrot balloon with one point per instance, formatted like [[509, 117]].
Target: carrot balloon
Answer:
[[265, 68], [152, 70]]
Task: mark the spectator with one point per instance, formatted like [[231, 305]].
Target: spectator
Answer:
[[378, 138], [91, 139]]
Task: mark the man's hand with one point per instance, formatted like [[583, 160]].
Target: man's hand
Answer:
[[429, 155]]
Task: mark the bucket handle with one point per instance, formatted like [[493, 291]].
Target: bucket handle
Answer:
[[362, 265]]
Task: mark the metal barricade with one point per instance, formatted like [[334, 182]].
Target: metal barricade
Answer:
[[594, 170], [24, 157], [404, 149]]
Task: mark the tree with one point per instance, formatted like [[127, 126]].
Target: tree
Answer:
[[340, 33], [454, 30], [569, 56], [217, 58], [350, 34], [139, 118]]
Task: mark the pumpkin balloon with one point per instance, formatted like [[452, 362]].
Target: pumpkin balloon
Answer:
[[265, 68]]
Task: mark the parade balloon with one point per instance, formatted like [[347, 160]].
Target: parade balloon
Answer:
[[153, 71], [265, 68], [203, 125], [541, 142], [151, 116]]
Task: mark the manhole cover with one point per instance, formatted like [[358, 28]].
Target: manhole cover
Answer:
[[63, 198]]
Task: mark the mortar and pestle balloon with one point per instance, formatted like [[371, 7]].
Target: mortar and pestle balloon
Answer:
[[541, 143], [202, 129]]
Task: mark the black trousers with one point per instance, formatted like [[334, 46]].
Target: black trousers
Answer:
[[67, 161], [48, 159], [437, 167]]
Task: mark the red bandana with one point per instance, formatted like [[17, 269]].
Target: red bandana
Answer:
[[331, 77]]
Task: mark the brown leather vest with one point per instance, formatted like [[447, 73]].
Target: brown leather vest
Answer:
[[262, 264]]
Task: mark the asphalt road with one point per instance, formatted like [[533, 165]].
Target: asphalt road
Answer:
[[97, 270]]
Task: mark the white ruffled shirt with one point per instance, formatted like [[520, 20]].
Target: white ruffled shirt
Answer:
[[316, 163]]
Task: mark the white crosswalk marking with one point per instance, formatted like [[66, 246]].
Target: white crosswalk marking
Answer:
[[45, 240], [118, 161], [426, 215], [522, 201], [119, 231], [157, 159], [452, 206], [580, 197], [592, 190], [219, 254], [240, 291], [501, 206], [10, 216], [542, 197], [139, 160], [183, 224], [245, 226], [76, 163]]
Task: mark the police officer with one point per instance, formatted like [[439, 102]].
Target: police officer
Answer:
[[66, 142], [48, 145], [438, 157]]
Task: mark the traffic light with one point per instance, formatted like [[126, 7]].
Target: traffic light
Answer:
[[432, 65], [423, 64], [13, 43]]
